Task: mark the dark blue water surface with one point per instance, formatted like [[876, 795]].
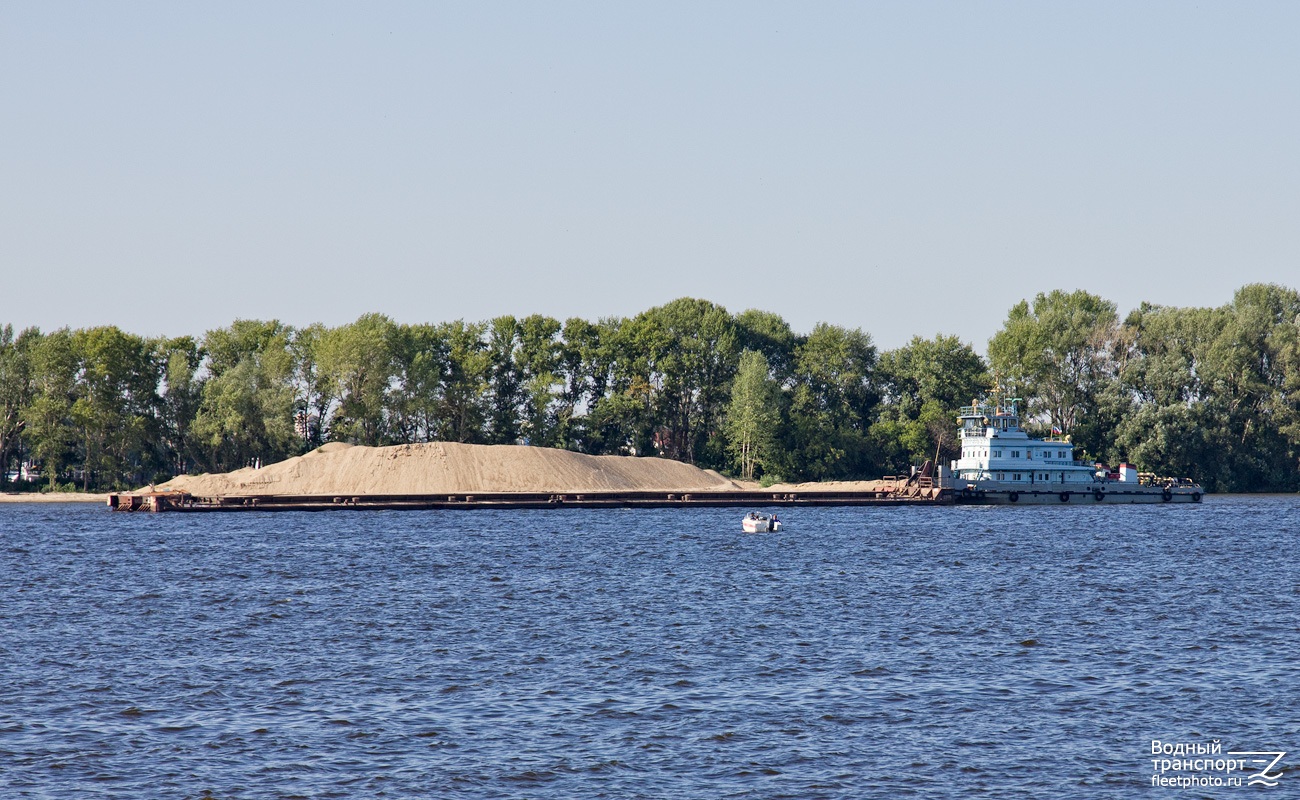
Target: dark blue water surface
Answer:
[[892, 652]]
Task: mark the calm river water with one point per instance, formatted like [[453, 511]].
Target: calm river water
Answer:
[[998, 652]]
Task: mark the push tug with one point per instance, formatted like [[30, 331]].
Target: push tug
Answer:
[[1001, 463]]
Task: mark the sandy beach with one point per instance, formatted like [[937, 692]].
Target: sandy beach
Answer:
[[52, 497]]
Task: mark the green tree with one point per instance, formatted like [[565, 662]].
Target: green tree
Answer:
[[48, 417], [180, 392], [116, 408], [314, 391], [249, 401], [923, 384], [463, 410], [583, 377], [357, 362], [753, 415], [613, 370], [767, 333], [1161, 379], [524, 385], [505, 381], [16, 390], [1250, 367], [832, 405], [540, 361], [1056, 355], [420, 359], [1215, 391], [688, 351]]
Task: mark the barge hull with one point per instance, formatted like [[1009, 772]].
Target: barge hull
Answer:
[[179, 501]]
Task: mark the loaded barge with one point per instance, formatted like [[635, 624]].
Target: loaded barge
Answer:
[[1000, 464], [914, 490]]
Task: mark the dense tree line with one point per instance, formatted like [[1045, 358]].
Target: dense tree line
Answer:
[[1212, 393]]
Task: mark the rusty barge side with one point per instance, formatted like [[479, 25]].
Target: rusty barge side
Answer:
[[181, 501]]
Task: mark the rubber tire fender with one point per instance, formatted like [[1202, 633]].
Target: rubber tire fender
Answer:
[[1166, 495], [1097, 494], [1196, 497], [1014, 497], [1065, 497]]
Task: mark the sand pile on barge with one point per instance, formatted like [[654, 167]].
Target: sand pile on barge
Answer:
[[447, 467]]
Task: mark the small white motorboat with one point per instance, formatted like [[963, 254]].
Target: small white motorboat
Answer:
[[755, 522]]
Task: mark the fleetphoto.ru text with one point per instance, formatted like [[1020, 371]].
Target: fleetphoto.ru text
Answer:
[[1188, 765]]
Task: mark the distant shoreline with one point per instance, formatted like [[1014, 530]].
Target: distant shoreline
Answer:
[[52, 497]]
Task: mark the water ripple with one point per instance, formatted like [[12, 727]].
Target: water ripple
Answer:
[[558, 654]]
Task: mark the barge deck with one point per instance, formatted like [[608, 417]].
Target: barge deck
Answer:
[[902, 495]]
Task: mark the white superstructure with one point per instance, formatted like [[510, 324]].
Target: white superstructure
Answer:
[[995, 448], [1000, 462]]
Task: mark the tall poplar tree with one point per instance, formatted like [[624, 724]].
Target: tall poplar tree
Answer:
[[753, 415], [15, 392]]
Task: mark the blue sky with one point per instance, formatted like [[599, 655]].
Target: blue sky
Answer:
[[906, 168]]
